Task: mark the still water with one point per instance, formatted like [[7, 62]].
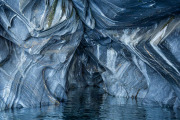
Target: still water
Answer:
[[93, 104]]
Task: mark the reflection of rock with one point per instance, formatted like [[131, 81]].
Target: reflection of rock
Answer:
[[50, 46], [93, 103], [122, 108], [84, 103]]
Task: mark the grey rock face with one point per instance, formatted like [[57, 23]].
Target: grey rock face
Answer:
[[128, 47]]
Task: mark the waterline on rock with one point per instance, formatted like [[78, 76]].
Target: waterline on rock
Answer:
[[92, 103]]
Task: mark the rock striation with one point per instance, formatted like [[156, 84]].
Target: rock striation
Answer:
[[130, 48]]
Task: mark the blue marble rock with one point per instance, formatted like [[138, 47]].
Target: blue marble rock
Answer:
[[130, 48]]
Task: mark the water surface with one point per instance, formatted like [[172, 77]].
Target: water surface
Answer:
[[93, 104]]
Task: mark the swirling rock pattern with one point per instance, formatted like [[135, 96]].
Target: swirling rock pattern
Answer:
[[128, 47]]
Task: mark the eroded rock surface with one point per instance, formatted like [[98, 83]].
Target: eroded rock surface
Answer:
[[128, 47]]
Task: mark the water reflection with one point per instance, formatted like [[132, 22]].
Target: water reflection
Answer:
[[94, 104]]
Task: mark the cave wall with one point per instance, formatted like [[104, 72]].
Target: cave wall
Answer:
[[130, 48]]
